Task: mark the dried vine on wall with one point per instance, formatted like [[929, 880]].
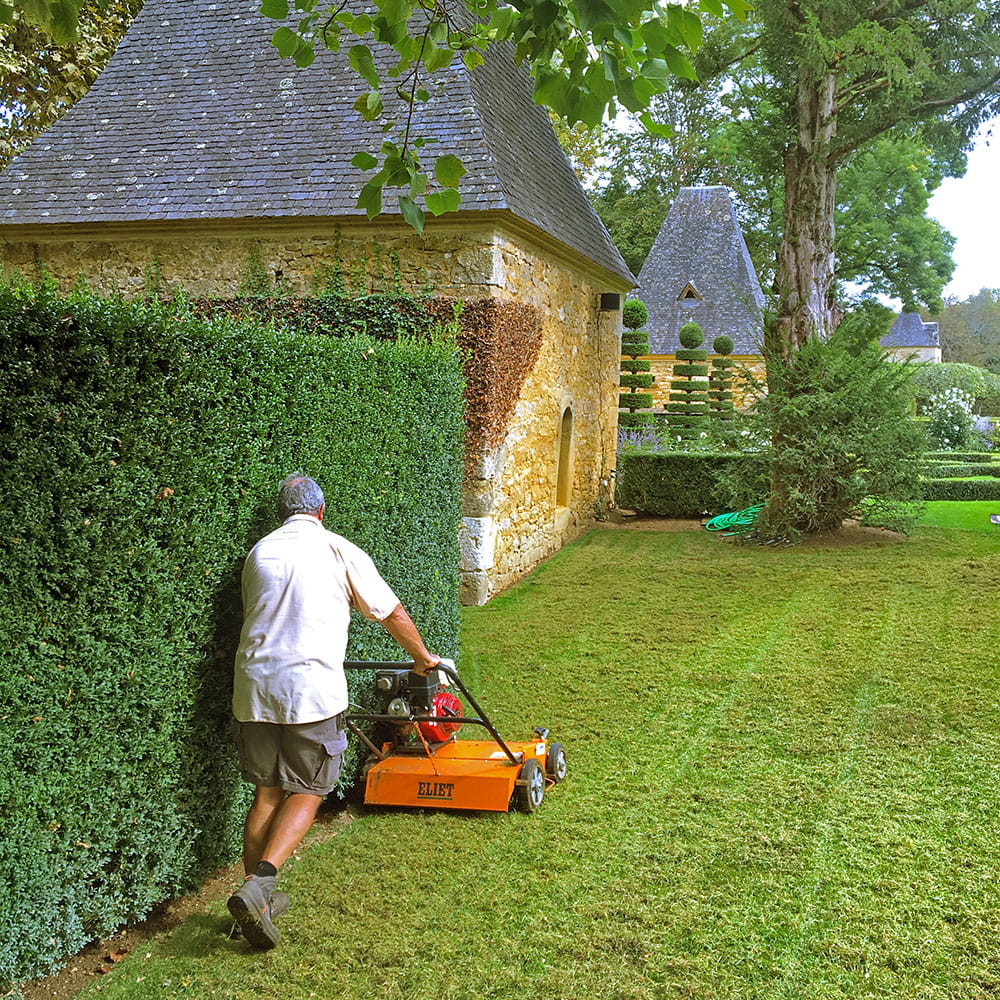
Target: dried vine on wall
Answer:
[[500, 344]]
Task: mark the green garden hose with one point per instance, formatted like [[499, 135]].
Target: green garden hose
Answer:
[[737, 522]]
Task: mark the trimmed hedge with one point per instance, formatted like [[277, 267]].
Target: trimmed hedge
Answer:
[[140, 452], [982, 457], [947, 470], [978, 488], [677, 484]]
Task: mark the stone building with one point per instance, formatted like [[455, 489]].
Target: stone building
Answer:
[[911, 339], [199, 151], [699, 270]]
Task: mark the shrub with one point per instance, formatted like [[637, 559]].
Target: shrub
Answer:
[[688, 408], [979, 488], [949, 422], [634, 314], [840, 436], [635, 343], [140, 451], [682, 484]]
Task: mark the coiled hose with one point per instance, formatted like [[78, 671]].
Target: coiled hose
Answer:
[[735, 523]]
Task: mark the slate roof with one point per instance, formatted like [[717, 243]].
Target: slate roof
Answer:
[[700, 258], [197, 117], [910, 330]]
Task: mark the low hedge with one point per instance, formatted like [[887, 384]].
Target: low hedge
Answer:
[[977, 488], [678, 484], [140, 451], [955, 470], [979, 457]]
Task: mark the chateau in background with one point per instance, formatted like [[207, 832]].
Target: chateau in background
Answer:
[[199, 149], [912, 339]]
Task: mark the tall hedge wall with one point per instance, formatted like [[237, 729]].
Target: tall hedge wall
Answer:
[[679, 484], [140, 451]]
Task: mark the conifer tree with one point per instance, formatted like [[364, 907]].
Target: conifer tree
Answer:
[[634, 372]]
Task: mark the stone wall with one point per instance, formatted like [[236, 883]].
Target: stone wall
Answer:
[[512, 516], [662, 366]]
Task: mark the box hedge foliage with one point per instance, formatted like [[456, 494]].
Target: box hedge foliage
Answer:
[[140, 451], [680, 484]]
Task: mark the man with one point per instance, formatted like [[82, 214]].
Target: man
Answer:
[[300, 583]]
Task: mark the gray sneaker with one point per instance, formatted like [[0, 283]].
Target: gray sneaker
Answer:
[[251, 908]]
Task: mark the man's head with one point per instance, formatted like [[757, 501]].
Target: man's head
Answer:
[[300, 495]]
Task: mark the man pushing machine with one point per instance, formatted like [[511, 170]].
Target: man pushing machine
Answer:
[[300, 583]]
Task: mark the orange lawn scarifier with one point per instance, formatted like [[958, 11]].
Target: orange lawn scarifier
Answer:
[[421, 762]]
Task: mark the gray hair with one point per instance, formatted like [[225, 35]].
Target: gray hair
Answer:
[[299, 494]]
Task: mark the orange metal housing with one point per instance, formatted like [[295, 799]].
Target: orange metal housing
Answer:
[[461, 774]]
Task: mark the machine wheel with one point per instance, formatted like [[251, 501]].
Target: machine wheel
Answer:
[[530, 787], [555, 762]]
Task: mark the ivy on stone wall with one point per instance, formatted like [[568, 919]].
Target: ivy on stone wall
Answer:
[[500, 342]]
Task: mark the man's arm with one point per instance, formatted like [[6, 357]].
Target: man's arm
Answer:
[[400, 626]]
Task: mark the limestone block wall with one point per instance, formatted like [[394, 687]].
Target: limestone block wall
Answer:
[[524, 499], [661, 366], [211, 258], [544, 484], [916, 354]]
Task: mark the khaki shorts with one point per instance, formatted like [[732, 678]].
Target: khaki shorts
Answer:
[[303, 758]]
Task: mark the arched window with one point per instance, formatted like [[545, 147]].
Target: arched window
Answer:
[[564, 477]]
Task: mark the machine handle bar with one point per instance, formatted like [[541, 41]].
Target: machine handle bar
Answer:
[[482, 720]]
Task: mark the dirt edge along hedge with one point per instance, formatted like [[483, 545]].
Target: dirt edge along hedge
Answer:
[[140, 450]]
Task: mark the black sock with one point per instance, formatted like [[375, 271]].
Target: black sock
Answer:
[[265, 869]]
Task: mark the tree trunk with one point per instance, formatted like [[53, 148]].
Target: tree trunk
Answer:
[[806, 306], [805, 261]]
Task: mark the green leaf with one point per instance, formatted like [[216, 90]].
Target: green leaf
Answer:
[[686, 24], [395, 11], [364, 161], [305, 55], [286, 42], [360, 58], [369, 105], [448, 170], [370, 198], [6, 14], [472, 59], [278, 9], [443, 201], [654, 127], [412, 213], [679, 64], [712, 7], [591, 12], [438, 58]]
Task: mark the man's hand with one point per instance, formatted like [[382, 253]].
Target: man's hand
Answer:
[[424, 669], [400, 626]]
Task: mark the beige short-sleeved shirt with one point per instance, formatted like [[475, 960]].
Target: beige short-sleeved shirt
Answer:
[[299, 585]]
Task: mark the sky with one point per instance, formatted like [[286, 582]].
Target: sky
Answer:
[[969, 208]]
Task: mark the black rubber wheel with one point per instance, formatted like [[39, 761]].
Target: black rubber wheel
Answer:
[[555, 762], [530, 787]]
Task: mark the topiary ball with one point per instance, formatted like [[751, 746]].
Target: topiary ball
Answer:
[[691, 335], [723, 345], [634, 313]]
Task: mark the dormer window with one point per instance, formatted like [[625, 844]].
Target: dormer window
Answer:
[[689, 296]]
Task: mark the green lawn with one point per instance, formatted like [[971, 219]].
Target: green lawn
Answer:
[[971, 515], [784, 782]]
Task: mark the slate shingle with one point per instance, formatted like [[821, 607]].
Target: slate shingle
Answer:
[[196, 116], [701, 245], [909, 330]]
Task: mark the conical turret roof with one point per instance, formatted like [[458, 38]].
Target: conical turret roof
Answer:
[[699, 270]]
